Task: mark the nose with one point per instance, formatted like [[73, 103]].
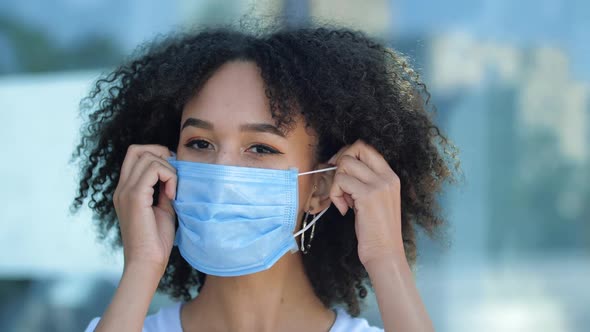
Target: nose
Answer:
[[228, 158]]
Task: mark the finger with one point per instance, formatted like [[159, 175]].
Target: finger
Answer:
[[143, 163], [368, 155], [337, 155], [349, 200], [155, 172], [164, 197], [166, 228], [134, 151], [345, 184], [169, 187], [354, 167]]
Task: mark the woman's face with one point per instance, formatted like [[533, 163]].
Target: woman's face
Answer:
[[229, 123]]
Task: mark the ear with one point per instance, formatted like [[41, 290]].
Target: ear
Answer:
[[320, 194]]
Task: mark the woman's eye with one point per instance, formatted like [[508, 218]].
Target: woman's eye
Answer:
[[262, 149], [199, 144]]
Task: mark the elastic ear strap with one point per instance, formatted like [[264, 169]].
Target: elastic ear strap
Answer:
[[318, 171], [311, 222]]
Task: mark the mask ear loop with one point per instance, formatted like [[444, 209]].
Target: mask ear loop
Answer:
[[318, 170], [311, 223], [306, 226]]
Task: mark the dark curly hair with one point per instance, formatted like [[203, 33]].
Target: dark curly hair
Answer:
[[347, 85]]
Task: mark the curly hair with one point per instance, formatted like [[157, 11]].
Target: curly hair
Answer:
[[347, 85]]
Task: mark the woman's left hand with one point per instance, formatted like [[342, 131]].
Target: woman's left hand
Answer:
[[365, 182]]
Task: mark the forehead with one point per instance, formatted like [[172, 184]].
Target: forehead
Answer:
[[233, 94]]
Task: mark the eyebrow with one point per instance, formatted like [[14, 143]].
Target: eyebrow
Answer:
[[262, 128], [252, 127], [192, 122]]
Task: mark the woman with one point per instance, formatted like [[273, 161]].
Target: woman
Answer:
[[213, 154]]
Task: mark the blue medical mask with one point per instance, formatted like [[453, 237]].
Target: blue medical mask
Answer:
[[235, 220]]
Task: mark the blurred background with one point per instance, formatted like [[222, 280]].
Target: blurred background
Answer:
[[509, 79]]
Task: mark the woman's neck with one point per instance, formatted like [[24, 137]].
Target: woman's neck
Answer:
[[278, 299]]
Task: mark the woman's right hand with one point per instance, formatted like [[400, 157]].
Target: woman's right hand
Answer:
[[147, 230]]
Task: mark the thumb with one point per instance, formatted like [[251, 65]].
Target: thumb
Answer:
[[164, 201], [165, 218]]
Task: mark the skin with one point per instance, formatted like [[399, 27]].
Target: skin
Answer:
[[234, 127]]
